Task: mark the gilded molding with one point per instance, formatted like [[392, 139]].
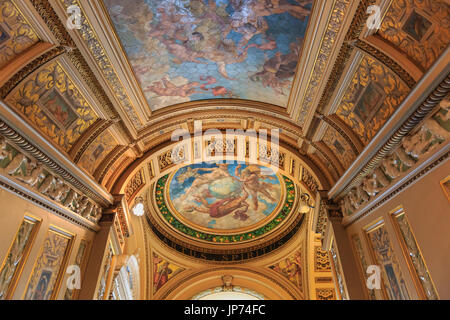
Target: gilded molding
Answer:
[[433, 100], [16, 139], [387, 61], [88, 76], [334, 26], [354, 32], [344, 134], [58, 29], [91, 139], [52, 21], [6, 89], [104, 64]]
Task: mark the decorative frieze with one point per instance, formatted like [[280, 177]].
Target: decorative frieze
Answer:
[[412, 149], [135, 184], [39, 179], [310, 181]]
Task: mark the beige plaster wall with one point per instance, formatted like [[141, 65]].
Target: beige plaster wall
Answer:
[[428, 212], [12, 211]]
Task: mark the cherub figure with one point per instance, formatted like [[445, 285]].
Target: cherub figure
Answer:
[[251, 178]]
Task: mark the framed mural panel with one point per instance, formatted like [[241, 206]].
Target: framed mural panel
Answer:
[[382, 252], [362, 262], [102, 287], [12, 266], [49, 269], [415, 260], [81, 261]]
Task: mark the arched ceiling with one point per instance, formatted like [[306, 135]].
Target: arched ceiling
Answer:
[[107, 94], [184, 51]]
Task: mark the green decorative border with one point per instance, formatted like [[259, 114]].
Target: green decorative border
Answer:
[[174, 222]]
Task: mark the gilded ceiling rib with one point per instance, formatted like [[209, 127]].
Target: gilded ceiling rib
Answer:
[[387, 61], [29, 69], [354, 32]]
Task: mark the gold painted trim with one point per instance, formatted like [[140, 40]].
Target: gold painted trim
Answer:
[[362, 273], [26, 252], [76, 292], [334, 273], [442, 183], [226, 231], [395, 214], [71, 237], [371, 227]]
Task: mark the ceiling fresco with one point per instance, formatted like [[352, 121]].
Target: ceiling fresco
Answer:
[[16, 35], [50, 100], [224, 196], [225, 203], [188, 50]]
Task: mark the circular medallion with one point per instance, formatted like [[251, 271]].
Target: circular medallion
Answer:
[[224, 203]]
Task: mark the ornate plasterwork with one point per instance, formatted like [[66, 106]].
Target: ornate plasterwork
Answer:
[[38, 178], [16, 35], [373, 95], [29, 69], [430, 103], [97, 151], [51, 101], [387, 61], [325, 294], [104, 64], [135, 184], [309, 180], [321, 260], [19, 141], [419, 28], [339, 146], [334, 26], [434, 132]]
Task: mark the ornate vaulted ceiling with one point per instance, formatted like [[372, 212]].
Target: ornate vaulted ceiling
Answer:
[[140, 69], [108, 96]]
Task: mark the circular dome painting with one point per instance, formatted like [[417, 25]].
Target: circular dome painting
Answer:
[[225, 197]]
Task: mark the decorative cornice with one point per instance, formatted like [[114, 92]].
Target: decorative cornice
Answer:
[[387, 61], [84, 223], [88, 76], [393, 193], [29, 69], [47, 13], [359, 20], [15, 138], [420, 114]]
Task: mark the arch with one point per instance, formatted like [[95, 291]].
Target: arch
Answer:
[[254, 280]]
